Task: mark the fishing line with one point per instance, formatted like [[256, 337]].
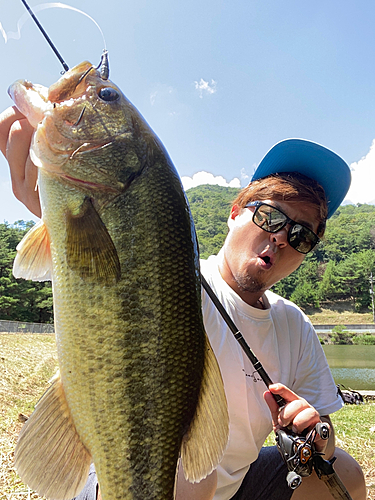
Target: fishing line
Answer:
[[65, 66], [16, 35]]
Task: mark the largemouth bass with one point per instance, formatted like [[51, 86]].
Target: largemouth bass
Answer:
[[139, 385]]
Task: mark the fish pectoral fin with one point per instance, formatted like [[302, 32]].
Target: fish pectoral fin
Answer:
[[50, 457], [204, 444], [33, 260], [90, 250]]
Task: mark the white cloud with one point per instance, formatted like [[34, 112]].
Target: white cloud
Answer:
[[207, 178], [244, 177], [204, 87], [362, 189]]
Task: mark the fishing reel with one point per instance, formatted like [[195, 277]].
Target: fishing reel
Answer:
[[298, 452]]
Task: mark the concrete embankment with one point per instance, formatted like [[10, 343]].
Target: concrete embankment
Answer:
[[359, 328]]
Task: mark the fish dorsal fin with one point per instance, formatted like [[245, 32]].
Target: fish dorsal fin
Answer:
[[204, 444], [33, 260], [90, 250], [50, 457]]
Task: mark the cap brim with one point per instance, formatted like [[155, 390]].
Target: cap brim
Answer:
[[314, 161]]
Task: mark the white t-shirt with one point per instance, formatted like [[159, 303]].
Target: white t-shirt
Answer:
[[284, 341]]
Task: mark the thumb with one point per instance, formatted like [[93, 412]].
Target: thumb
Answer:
[[274, 408]]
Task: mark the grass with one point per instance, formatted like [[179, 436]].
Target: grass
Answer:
[[346, 337], [27, 362], [338, 314], [355, 433]]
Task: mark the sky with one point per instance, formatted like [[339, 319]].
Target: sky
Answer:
[[219, 81]]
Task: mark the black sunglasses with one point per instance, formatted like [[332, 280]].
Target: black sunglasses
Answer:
[[272, 220]]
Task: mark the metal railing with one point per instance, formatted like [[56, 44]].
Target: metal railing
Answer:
[[364, 328], [23, 327]]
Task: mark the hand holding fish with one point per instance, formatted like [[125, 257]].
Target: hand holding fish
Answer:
[[15, 137]]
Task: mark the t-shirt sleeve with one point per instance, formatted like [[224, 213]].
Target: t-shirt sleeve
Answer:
[[313, 379]]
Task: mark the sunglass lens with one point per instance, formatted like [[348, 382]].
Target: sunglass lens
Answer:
[[269, 218], [301, 238]]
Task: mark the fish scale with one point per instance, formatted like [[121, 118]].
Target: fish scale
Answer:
[[136, 367]]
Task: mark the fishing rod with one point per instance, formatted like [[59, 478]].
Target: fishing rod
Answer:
[[103, 65], [240, 339], [65, 66], [298, 452]]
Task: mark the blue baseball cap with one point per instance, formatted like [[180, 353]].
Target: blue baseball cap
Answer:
[[314, 161]]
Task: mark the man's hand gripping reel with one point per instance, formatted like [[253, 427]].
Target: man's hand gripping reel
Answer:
[[298, 452]]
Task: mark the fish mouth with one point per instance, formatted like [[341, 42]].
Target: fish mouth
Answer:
[[31, 99]]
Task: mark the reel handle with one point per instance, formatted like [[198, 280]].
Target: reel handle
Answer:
[[323, 430]]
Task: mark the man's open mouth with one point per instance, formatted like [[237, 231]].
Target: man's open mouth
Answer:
[[267, 261]]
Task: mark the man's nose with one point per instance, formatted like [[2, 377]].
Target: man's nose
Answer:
[[281, 237]]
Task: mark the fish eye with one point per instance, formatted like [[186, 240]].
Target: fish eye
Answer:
[[108, 94]]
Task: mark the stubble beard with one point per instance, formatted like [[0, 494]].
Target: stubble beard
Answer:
[[250, 284]]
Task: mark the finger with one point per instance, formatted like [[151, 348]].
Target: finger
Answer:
[[7, 118], [284, 392], [271, 402], [291, 410], [22, 171], [31, 196], [277, 411], [273, 406], [17, 149], [305, 419]]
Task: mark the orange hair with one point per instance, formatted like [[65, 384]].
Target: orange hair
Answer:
[[287, 186]]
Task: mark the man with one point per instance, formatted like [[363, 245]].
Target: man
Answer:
[[273, 224]]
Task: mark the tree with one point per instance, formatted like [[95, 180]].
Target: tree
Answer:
[[306, 289], [21, 300], [355, 271], [210, 207]]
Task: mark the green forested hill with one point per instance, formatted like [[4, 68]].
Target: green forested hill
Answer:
[[338, 269], [20, 300], [210, 206]]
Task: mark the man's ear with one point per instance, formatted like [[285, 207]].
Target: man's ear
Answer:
[[235, 210]]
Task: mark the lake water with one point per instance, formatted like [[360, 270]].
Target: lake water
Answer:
[[352, 365]]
